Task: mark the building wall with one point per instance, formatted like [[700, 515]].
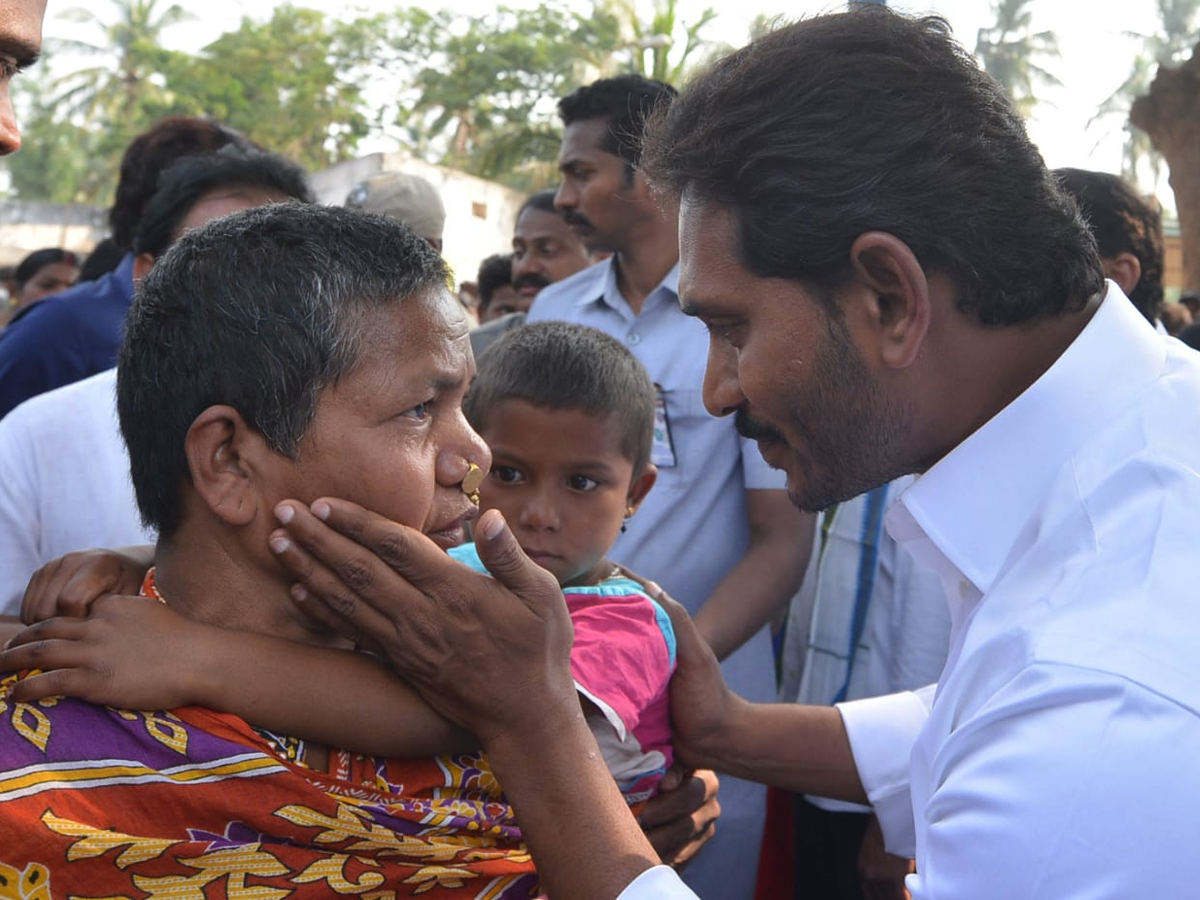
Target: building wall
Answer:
[[27, 226], [480, 214]]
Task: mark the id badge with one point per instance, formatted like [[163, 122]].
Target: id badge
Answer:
[[662, 451]]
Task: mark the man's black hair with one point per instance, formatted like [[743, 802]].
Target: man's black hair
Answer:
[[150, 154], [38, 260], [105, 257], [561, 365], [1122, 222], [542, 201], [1190, 335], [189, 179], [626, 102], [494, 273], [260, 310], [866, 121]]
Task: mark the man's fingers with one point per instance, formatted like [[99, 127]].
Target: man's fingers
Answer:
[[352, 541], [504, 558], [320, 591]]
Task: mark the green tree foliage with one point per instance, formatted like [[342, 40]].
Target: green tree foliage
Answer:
[[1169, 45], [474, 92], [664, 47], [131, 60], [291, 84], [67, 164], [481, 89], [1010, 52]]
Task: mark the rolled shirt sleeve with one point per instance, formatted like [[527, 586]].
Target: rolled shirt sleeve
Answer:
[[658, 883], [882, 733]]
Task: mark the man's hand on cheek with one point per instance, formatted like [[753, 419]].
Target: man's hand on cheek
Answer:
[[488, 653]]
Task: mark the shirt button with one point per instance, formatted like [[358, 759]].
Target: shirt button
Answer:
[[634, 338]]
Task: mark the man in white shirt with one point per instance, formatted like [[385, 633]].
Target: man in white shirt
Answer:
[[893, 283]]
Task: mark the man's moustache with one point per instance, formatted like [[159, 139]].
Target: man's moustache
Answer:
[[754, 430], [531, 280]]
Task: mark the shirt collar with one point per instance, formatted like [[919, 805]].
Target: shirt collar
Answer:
[[612, 297], [974, 502]]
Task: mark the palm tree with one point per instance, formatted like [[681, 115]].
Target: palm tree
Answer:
[[1008, 52], [652, 42], [1170, 44], [112, 91]]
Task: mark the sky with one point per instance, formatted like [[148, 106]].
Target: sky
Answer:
[[1096, 51]]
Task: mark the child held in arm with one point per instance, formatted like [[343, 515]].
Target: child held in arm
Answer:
[[568, 414]]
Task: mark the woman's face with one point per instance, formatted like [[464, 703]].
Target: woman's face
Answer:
[[49, 279]]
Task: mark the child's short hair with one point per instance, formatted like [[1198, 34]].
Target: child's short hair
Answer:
[[559, 365]]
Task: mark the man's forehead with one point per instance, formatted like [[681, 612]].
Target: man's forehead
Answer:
[[222, 201], [582, 139], [21, 28], [536, 223]]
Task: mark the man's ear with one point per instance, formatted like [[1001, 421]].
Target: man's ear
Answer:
[[142, 264], [641, 487], [1125, 269], [221, 452], [896, 291]]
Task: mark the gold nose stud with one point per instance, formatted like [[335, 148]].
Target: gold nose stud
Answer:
[[471, 482]]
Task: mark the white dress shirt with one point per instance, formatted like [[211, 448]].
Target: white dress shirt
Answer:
[[1060, 754], [64, 482]]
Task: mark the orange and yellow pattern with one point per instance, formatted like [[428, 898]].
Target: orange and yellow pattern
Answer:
[[192, 804]]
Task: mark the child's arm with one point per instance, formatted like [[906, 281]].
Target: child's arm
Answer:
[[67, 586], [139, 654]]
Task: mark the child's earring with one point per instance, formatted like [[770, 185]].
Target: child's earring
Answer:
[[625, 521]]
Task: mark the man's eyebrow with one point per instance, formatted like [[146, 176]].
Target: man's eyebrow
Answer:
[[23, 53]]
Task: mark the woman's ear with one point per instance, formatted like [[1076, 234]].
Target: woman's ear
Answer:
[[220, 449], [894, 286]]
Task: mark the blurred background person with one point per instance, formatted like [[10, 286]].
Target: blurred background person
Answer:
[[76, 333], [545, 248], [61, 452], [1128, 232], [40, 274], [105, 257]]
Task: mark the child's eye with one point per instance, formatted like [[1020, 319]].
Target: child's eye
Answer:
[[505, 474], [582, 483], [420, 411]]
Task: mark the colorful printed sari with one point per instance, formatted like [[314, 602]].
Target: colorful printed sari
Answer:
[[192, 805]]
